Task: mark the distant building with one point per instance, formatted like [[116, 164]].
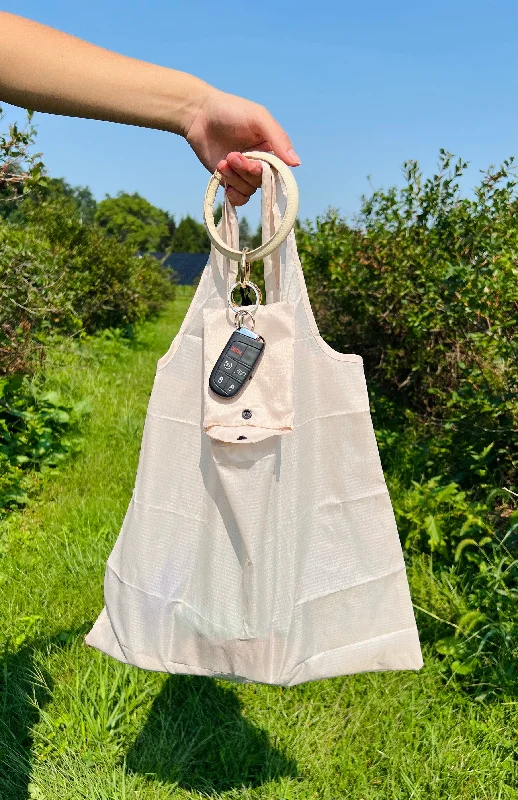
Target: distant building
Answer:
[[188, 266]]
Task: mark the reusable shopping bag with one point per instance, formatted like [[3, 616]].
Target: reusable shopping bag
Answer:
[[259, 543]]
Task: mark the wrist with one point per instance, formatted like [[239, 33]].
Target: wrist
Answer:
[[187, 97]]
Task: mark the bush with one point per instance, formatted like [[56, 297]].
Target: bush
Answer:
[[38, 430], [20, 169], [59, 274], [425, 287]]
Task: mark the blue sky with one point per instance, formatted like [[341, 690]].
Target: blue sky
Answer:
[[360, 87]]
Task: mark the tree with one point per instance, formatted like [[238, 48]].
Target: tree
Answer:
[[55, 190], [85, 201], [190, 237], [245, 234], [132, 219], [246, 237], [20, 169]]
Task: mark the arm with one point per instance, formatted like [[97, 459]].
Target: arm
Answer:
[[46, 70]]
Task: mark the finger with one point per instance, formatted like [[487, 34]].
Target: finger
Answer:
[[251, 171], [278, 139], [235, 197], [236, 181]]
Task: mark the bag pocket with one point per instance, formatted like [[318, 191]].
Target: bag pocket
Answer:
[[264, 406]]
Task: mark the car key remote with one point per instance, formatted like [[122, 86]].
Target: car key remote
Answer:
[[236, 363]]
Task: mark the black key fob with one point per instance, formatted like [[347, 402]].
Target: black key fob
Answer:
[[236, 363]]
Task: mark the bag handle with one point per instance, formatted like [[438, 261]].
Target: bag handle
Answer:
[[287, 223]]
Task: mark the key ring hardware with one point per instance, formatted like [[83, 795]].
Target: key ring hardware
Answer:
[[248, 309], [239, 318], [244, 268], [287, 223], [257, 291]]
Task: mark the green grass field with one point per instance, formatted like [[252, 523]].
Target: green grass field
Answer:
[[77, 724]]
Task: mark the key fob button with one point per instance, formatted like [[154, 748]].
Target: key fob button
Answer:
[[228, 365], [240, 372], [232, 386], [236, 350], [221, 380], [250, 355]]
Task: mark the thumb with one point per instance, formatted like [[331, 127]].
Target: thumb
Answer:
[[279, 140]]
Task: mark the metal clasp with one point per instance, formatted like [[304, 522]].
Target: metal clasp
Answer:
[[244, 269], [239, 318]]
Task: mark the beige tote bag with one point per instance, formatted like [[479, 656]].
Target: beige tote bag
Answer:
[[273, 558]]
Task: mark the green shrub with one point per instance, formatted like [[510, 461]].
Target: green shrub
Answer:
[[437, 517], [58, 274], [38, 430], [483, 649], [21, 170], [424, 286]]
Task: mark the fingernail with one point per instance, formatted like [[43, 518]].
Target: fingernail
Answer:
[[293, 156], [237, 159]]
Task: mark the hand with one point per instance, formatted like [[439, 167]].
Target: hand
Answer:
[[223, 127]]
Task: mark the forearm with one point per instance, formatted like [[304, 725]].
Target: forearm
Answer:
[[46, 70]]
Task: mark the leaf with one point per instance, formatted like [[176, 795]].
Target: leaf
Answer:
[[449, 646], [447, 493], [464, 667], [60, 416], [52, 399], [13, 497], [13, 383], [435, 533]]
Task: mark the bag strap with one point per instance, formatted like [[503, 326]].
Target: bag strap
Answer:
[[273, 204]]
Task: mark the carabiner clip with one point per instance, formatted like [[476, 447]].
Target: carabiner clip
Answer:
[[244, 269]]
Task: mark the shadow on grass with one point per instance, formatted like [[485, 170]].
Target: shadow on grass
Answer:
[[196, 736], [23, 691]]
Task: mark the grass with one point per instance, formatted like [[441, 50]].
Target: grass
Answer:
[[77, 724]]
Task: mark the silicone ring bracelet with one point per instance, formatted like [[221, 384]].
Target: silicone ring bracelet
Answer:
[[288, 221]]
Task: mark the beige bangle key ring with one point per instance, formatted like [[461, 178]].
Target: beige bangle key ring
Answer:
[[288, 220]]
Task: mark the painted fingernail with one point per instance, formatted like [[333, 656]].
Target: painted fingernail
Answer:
[[293, 156]]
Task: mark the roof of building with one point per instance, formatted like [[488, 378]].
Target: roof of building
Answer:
[[188, 266]]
